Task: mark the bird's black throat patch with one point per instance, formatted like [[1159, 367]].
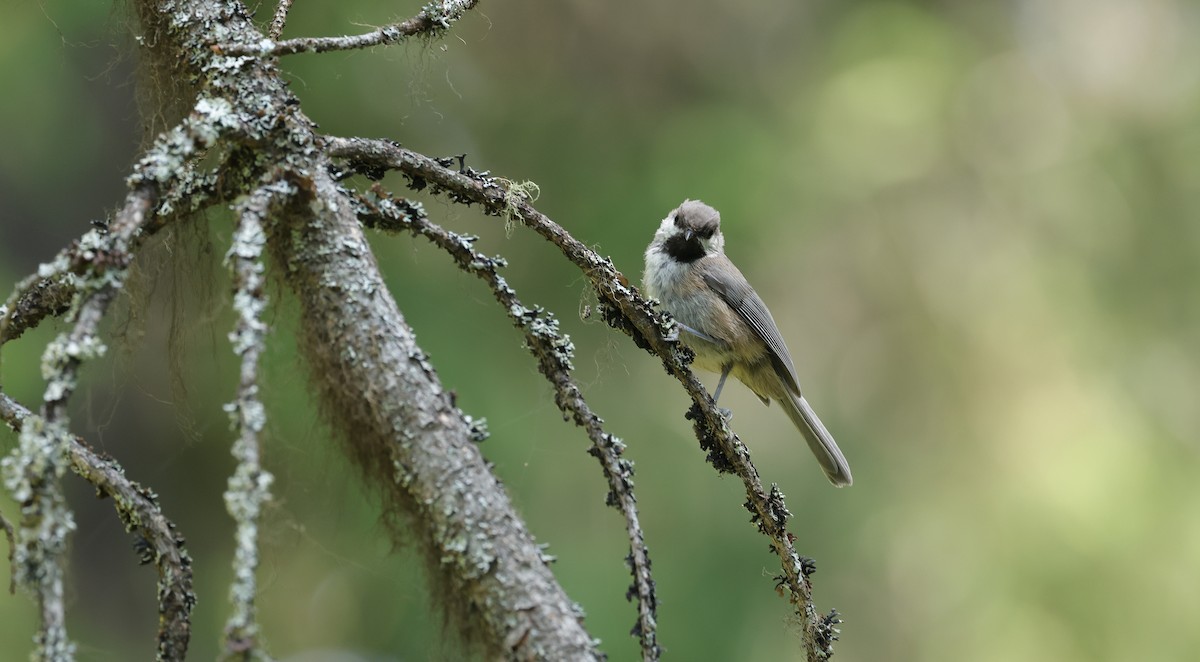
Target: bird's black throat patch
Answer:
[[684, 250]]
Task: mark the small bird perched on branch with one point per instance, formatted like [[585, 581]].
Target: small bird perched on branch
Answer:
[[727, 325]]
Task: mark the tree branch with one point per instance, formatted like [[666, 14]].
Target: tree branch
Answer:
[[249, 486], [280, 19], [404, 429], [554, 353], [433, 19], [10, 536], [32, 300]]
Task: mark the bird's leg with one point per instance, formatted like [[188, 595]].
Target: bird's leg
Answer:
[[727, 413], [721, 384]]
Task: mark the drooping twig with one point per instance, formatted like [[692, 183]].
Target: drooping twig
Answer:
[[280, 19], [434, 18], [31, 474], [159, 541], [249, 486], [553, 351], [10, 536], [33, 299], [625, 309]]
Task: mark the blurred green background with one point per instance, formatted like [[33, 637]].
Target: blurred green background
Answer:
[[975, 224]]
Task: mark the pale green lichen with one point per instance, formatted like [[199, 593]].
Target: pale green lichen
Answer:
[[60, 353], [249, 487], [51, 269], [92, 243], [514, 194], [211, 117], [442, 14], [477, 428]]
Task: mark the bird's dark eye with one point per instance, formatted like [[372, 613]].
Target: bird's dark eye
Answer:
[[678, 220]]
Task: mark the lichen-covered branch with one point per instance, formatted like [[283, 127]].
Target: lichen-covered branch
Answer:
[[554, 352], [138, 509], [433, 19], [249, 486], [31, 474], [626, 310], [34, 299], [279, 19], [11, 538], [403, 428]]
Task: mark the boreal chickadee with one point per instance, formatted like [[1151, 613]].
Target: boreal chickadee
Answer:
[[727, 325]]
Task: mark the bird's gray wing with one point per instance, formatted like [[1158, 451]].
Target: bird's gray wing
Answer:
[[729, 283]]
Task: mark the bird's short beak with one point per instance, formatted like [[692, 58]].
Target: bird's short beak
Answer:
[[688, 234]]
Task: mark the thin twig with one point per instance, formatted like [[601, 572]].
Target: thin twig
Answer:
[[554, 352], [34, 299], [108, 260], [12, 552], [280, 19], [159, 542], [624, 309], [433, 19], [250, 484]]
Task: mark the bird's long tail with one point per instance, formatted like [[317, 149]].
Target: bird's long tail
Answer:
[[833, 463]]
